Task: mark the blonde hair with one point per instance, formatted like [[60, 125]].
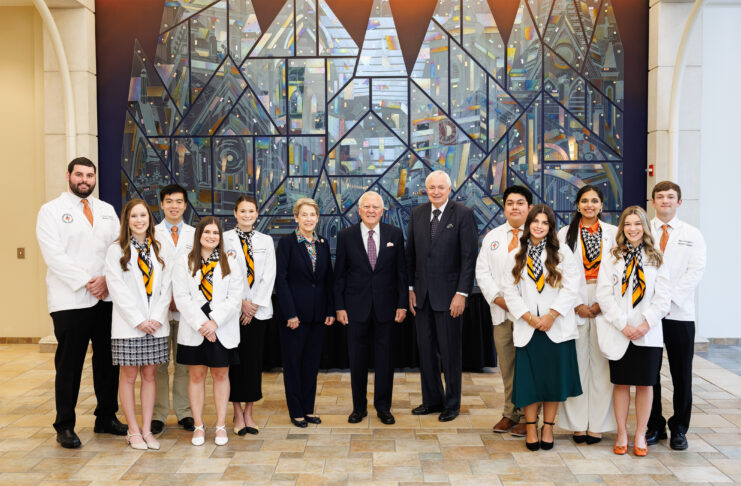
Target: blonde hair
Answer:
[[620, 249], [305, 201]]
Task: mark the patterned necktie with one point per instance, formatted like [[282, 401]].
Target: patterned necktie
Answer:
[[664, 237], [634, 266], [88, 212], [174, 234], [207, 275], [372, 255], [534, 265], [513, 241], [246, 239], [434, 222]]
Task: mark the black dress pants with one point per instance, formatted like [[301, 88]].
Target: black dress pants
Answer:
[[361, 338], [439, 342], [679, 339], [246, 377], [74, 329], [302, 351]]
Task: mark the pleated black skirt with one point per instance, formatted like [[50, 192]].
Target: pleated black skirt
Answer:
[[246, 377], [545, 371], [639, 366], [213, 355]]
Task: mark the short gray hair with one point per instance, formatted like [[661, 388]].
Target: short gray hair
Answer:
[[437, 173], [371, 193]]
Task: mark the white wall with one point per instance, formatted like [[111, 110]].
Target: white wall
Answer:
[[720, 169]]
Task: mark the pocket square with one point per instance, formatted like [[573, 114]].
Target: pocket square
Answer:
[[390, 243], [449, 226]]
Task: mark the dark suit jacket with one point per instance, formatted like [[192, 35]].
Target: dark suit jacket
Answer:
[[445, 265], [300, 292], [357, 287]]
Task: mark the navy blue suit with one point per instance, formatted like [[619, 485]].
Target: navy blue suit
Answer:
[[307, 294], [371, 296], [438, 268]]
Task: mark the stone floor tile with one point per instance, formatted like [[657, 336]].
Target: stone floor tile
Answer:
[[699, 473]]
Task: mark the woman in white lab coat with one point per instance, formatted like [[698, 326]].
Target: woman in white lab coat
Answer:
[[590, 414], [634, 295], [208, 289], [255, 255], [140, 288], [540, 293]]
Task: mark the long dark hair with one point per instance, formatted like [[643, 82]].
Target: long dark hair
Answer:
[[572, 235], [124, 237], [194, 257], [553, 277]]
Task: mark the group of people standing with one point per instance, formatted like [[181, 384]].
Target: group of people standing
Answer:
[[581, 315], [567, 336]]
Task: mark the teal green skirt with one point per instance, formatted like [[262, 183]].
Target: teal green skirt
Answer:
[[545, 371]]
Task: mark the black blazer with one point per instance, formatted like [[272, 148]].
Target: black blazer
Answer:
[[357, 287], [300, 292], [445, 265]]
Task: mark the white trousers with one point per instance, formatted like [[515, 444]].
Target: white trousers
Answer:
[[592, 410]]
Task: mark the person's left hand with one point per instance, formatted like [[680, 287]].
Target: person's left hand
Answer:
[[401, 314], [457, 305], [97, 286], [328, 321], [546, 322], [208, 330], [595, 308], [642, 329]]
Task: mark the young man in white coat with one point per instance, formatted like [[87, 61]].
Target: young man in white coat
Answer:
[[74, 232], [176, 238], [491, 267], [684, 254]]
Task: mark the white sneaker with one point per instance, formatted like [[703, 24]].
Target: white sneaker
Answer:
[[218, 440], [198, 441]]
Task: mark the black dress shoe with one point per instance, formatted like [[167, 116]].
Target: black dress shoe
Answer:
[[187, 423], [425, 410], [111, 426], [157, 426], [448, 415], [386, 418], [653, 436], [299, 423], [68, 439], [248, 430], [580, 439], [593, 440], [678, 441], [312, 420], [355, 417]]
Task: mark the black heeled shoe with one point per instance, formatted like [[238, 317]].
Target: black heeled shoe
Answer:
[[546, 446], [533, 446], [299, 423]]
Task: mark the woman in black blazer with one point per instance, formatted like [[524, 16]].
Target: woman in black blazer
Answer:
[[304, 287]]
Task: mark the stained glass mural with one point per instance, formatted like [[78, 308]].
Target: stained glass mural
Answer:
[[301, 110]]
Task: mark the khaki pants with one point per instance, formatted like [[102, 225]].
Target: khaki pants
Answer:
[[505, 347], [180, 401]]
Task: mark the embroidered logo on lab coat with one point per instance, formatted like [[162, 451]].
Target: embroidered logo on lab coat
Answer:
[[67, 218]]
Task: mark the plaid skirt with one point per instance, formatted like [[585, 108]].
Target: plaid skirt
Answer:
[[140, 351]]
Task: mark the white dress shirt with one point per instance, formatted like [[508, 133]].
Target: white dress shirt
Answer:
[[491, 267], [73, 250], [685, 256]]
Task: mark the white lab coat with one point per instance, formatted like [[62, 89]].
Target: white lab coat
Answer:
[[73, 250], [226, 303], [685, 256], [263, 253], [170, 253], [130, 304], [618, 310], [608, 241], [491, 268], [523, 297]]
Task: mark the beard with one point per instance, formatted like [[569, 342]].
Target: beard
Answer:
[[79, 192]]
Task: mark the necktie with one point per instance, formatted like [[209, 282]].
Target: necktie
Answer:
[[249, 261], [88, 212], [207, 283], [513, 241], [434, 222], [664, 237], [372, 255], [174, 234]]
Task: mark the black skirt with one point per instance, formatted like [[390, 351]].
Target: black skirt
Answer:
[[639, 366], [246, 377], [213, 355]]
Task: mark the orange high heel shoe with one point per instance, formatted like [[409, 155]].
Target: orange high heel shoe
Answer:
[[638, 451], [620, 450]]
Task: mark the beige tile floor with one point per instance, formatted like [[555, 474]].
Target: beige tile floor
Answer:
[[416, 450]]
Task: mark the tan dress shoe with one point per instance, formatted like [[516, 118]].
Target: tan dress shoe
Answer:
[[519, 430], [503, 425]]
